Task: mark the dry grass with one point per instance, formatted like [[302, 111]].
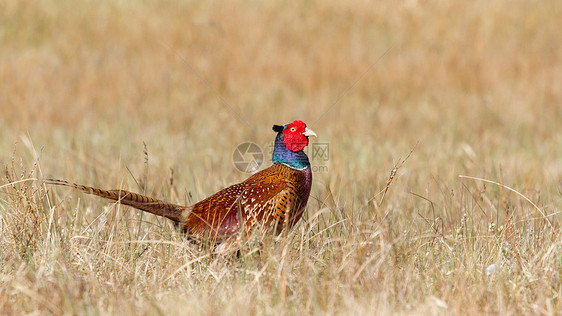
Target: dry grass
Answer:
[[84, 84]]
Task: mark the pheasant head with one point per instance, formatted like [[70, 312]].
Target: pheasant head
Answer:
[[289, 144]]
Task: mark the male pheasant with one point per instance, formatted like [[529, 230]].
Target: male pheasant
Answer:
[[272, 199]]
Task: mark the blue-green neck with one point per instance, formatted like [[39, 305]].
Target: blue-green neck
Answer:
[[282, 154]]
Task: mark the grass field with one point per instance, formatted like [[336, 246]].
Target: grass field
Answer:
[[154, 96]]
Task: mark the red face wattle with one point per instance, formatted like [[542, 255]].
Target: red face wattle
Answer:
[[294, 136]]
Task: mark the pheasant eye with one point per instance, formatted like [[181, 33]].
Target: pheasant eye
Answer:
[[293, 129]]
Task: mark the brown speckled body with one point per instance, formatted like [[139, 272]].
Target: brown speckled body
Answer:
[[271, 199]]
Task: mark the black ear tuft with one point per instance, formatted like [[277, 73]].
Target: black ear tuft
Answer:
[[278, 128]]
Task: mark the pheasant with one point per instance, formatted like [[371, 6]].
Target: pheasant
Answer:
[[272, 199]]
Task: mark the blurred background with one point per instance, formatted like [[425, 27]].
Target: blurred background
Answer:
[[479, 84]]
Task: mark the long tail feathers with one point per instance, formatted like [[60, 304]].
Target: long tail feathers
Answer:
[[177, 213]]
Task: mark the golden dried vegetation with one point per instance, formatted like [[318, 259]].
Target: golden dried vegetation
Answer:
[[479, 84]]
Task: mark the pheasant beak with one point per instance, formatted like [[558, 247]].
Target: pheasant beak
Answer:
[[309, 132]]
